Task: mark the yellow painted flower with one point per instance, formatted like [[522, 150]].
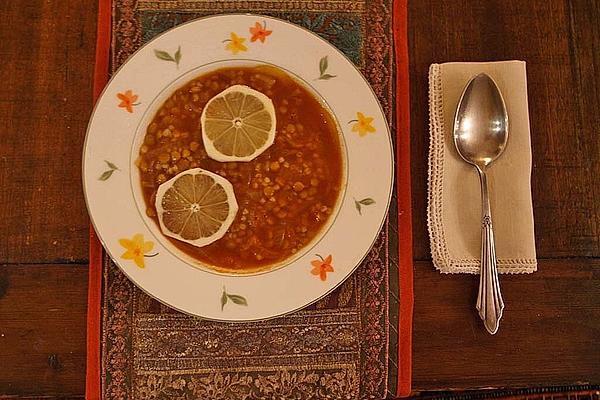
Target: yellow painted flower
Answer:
[[362, 124], [136, 249], [235, 44]]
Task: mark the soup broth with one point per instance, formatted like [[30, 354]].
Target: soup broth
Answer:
[[286, 195]]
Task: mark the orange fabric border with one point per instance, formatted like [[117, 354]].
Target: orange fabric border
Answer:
[[92, 375], [405, 259]]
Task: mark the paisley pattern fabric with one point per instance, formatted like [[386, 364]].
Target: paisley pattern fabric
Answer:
[[342, 347]]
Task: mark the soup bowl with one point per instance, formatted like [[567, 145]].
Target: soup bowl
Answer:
[[138, 194]]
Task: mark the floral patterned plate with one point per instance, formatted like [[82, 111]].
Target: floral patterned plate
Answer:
[[112, 186]]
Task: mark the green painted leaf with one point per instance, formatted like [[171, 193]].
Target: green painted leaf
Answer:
[[106, 174], [367, 201], [237, 299], [223, 299], [323, 63], [163, 55], [358, 208], [178, 55], [327, 76], [111, 165]]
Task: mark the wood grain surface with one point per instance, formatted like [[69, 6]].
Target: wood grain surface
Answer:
[[42, 329], [550, 334], [47, 53]]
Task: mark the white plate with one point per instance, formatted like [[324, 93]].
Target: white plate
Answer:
[[129, 101]]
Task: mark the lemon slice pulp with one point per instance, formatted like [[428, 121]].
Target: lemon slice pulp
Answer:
[[238, 124], [196, 206]]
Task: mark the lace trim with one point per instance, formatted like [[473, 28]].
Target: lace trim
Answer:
[[435, 189]]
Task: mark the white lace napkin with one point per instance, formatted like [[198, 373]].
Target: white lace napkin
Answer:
[[454, 200]]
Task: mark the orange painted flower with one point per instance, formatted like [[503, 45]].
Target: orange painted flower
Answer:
[[235, 44], [322, 267], [259, 32], [136, 249], [362, 124], [128, 100]]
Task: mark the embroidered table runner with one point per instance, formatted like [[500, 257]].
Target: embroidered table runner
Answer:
[[354, 343]]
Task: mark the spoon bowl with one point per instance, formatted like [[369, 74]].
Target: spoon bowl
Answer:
[[481, 122], [480, 136]]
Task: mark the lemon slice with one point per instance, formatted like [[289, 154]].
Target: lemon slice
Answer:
[[196, 207], [238, 124]]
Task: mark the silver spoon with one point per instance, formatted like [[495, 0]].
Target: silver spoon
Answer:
[[480, 136]]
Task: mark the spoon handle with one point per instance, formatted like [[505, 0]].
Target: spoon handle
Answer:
[[489, 300]]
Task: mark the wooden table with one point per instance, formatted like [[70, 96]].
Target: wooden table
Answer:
[[550, 334]]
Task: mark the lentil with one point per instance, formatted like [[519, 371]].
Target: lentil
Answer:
[[285, 195]]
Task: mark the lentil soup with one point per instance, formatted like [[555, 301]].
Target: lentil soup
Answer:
[[286, 196]]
